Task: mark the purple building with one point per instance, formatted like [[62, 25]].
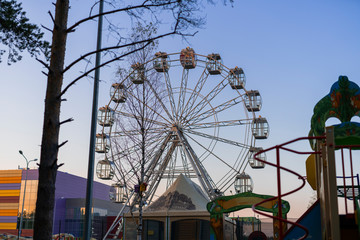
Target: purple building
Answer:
[[69, 203]]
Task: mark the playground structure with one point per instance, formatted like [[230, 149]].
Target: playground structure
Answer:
[[343, 102], [322, 220], [228, 204]]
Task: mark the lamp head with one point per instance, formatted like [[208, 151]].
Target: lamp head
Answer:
[[21, 152]]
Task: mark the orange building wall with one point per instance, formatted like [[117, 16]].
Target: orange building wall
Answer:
[[10, 184]]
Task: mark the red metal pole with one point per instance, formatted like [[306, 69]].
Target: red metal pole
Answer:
[[352, 179], [344, 181]]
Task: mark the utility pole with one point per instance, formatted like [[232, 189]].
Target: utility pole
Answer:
[[90, 178]]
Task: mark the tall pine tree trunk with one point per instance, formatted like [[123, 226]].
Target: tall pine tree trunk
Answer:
[[50, 139]]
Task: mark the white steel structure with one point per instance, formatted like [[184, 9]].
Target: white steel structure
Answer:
[[177, 114]]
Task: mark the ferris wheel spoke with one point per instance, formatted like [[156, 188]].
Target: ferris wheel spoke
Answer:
[[170, 94], [129, 176], [234, 143], [147, 120], [135, 147], [136, 117], [195, 93], [182, 93], [228, 179], [208, 98], [228, 123], [212, 153], [160, 100], [137, 132], [216, 110], [147, 107]]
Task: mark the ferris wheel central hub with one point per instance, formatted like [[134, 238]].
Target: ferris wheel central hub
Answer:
[[175, 128]]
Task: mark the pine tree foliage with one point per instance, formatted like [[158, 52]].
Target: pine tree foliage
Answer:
[[18, 34]]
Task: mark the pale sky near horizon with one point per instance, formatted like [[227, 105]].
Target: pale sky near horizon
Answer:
[[291, 51]]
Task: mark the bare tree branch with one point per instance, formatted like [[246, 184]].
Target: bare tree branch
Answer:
[[46, 28], [128, 45], [43, 63], [100, 66], [72, 28], [114, 47], [51, 16], [63, 143], [66, 121], [60, 165]]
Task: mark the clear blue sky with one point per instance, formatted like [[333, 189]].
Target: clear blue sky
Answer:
[[291, 51]]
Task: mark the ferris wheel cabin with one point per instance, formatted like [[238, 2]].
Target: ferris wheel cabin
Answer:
[[138, 74], [253, 101], [188, 58], [101, 145], [106, 116], [253, 162], [161, 63], [260, 128], [243, 183], [104, 170], [214, 64], [117, 93], [237, 78], [118, 193]]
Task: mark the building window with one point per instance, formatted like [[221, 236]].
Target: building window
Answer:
[[29, 203], [153, 230], [191, 229]]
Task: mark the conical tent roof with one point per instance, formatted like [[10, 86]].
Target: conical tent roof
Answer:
[[183, 196]]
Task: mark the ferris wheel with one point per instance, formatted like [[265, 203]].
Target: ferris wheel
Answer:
[[179, 113]]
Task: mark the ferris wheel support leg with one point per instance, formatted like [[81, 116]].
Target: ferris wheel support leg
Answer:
[[203, 177], [161, 171], [157, 156], [155, 162], [118, 218]]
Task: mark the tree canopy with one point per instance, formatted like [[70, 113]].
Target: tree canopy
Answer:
[[18, 34]]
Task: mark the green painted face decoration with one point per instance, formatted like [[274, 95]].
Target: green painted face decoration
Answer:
[[343, 103]]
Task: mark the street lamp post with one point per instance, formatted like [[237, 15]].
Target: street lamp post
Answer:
[[22, 209]]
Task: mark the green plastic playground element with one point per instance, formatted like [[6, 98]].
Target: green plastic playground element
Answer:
[[343, 103], [357, 212], [347, 133], [227, 204]]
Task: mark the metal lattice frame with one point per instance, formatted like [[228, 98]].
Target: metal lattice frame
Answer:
[[197, 122]]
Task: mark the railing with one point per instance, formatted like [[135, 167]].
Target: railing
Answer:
[[277, 148], [325, 158], [354, 189], [344, 189]]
